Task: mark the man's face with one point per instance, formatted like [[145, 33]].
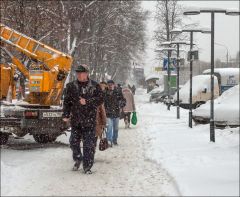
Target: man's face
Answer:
[[111, 86], [82, 76]]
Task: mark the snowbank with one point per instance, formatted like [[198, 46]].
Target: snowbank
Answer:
[[199, 167]]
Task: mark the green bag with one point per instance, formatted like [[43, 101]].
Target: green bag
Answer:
[[134, 118]]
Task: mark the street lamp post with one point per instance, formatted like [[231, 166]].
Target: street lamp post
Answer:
[[169, 50], [178, 60], [178, 43], [212, 12], [190, 94], [225, 48], [169, 75], [191, 31]]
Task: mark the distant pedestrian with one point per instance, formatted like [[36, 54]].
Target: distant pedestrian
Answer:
[[81, 100], [133, 89], [119, 87], [113, 100], [129, 107]]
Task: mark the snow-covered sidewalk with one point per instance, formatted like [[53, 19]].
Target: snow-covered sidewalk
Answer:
[[121, 170]]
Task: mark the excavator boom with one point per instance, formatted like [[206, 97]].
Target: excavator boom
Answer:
[[48, 70]]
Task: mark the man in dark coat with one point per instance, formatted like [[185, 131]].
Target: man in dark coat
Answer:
[[113, 101], [82, 97]]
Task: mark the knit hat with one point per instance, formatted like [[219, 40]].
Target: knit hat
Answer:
[[82, 68], [110, 81]]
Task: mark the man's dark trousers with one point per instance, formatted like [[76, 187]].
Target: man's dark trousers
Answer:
[[87, 136]]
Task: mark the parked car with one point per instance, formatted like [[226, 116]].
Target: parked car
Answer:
[[155, 93], [226, 109], [201, 91]]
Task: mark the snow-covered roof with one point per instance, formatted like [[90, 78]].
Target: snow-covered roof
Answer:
[[152, 76], [165, 49], [199, 82], [224, 71]]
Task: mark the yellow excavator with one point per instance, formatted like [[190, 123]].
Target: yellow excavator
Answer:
[[46, 71], [7, 82]]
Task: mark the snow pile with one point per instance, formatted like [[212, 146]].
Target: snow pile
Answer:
[[199, 83], [15, 102], [226, 107], [199, 167]]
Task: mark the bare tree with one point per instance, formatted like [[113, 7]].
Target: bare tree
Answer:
[[168, 16], [104, 34]]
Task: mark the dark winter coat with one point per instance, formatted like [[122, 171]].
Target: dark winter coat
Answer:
[[113, 101], [82, 115]]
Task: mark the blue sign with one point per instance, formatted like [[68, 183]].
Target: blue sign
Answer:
[[173, 65], [165, 62]]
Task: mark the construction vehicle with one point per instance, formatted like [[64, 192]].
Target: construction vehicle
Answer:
[[7, 81], [46, 69]]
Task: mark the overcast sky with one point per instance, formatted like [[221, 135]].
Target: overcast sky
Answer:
[[226, 30]]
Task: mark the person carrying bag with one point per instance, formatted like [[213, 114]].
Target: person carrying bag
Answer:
[[103, 144], [134, 118]]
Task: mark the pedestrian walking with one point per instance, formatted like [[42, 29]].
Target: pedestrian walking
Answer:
[[129, 107], [82, 97], [113, 101], [101, 119], [133, 89]]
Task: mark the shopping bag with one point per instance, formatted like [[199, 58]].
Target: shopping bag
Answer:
[[134, 118], [103, 144]]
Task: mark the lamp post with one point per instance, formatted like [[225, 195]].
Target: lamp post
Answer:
[[212, 12], [225, 48], [191, 31], [178, 43], [169, 50]]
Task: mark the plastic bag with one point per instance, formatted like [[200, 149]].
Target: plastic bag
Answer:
[[134, 118]]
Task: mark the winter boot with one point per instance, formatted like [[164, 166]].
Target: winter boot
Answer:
[[110, 143], [126, 124], [88, 172], [76, 165]]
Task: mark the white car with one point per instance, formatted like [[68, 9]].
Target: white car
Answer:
[[155, 93], [226, 109], [201, 91]]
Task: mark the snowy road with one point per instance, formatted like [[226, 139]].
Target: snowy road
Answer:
[[121, 170]]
